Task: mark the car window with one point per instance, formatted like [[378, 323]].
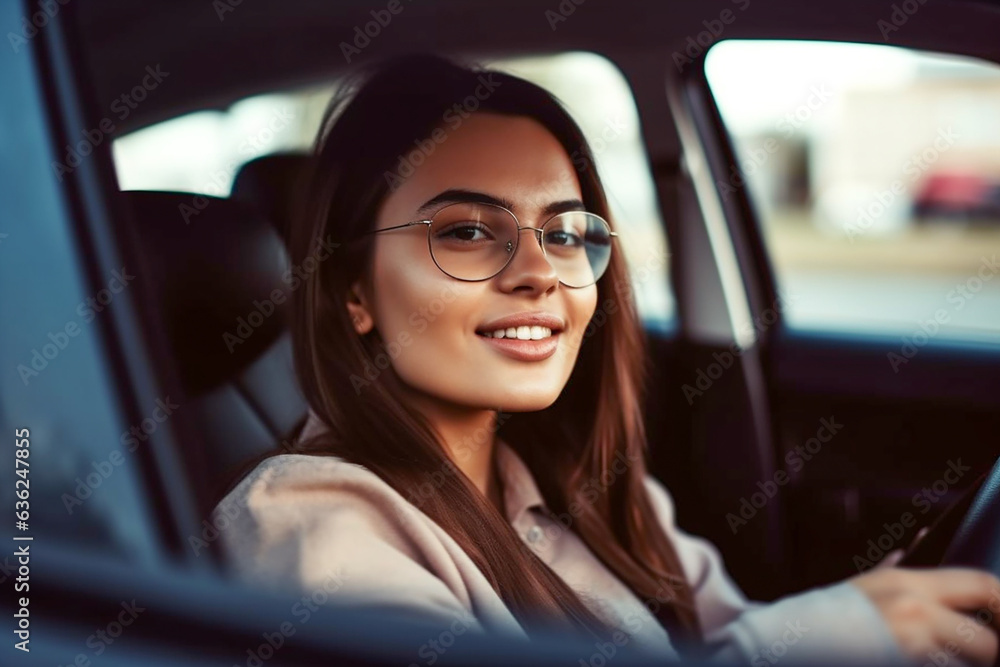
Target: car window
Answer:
[[201, 152], [875, 175], [71, 468]]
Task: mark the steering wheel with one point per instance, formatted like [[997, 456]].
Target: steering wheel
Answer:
[[967, 533]]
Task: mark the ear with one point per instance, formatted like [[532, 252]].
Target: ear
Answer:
[[359, 308]]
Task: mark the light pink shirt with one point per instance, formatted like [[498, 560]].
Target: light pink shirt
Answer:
[[313, 522]]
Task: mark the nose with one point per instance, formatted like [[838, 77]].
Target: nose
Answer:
[[529, 269]]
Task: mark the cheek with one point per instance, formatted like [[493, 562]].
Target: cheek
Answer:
[[406, 284], [581, 309], [582, 304], [420, 313]]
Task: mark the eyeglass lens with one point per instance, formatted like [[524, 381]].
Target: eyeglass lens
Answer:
[[476, 241]]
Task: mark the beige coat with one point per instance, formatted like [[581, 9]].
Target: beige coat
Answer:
[[310, 522]]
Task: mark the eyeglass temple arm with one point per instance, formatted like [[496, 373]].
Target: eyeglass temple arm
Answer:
[[405, 224], [430, 222]]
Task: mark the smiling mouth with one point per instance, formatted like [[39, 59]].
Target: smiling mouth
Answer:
[[520, 333], [529, 343]]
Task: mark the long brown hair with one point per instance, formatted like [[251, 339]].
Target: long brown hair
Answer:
[[370, 128]]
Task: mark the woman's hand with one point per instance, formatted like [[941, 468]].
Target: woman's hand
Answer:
[[924, 610]]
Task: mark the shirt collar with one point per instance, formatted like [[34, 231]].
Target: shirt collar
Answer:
[[520, 493]]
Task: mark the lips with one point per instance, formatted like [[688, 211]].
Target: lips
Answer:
[[524, 336], [524, 350]]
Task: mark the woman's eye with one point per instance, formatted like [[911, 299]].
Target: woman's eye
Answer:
[[563, 238], [467, 233]]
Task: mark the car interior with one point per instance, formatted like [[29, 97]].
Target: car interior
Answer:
[[824, 367]]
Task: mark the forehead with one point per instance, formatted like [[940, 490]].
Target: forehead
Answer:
[[512, 157]]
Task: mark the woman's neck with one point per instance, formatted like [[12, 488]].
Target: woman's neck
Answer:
[[469, 438]]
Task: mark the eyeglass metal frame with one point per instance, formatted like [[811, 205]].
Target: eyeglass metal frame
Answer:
[[539, 231]]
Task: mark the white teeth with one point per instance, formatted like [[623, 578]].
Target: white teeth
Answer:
[[520, 333]]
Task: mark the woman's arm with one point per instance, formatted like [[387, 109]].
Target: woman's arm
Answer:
[[837, 622]]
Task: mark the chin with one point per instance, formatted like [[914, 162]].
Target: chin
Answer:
[[526, 399]]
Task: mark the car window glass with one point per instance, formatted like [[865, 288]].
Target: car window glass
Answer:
[[875, 175]]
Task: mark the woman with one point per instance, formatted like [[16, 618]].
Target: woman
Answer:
[[475, 446]]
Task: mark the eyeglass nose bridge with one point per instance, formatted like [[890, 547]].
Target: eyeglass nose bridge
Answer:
[[538, 237]]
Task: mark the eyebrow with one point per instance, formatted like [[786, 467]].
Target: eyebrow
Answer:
[[460, 196]]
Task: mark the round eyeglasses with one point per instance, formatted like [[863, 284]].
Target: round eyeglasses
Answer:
[[476, 241]]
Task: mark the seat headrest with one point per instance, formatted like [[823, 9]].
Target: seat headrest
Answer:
[[272, 183], [218, 271]]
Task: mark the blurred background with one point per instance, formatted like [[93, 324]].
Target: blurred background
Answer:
[[875, 174], [203, 151], [874, 170]]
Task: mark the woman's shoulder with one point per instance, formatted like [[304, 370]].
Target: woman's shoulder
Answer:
[[295, 486], [297, 515], [282, 470], [320, 521]]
